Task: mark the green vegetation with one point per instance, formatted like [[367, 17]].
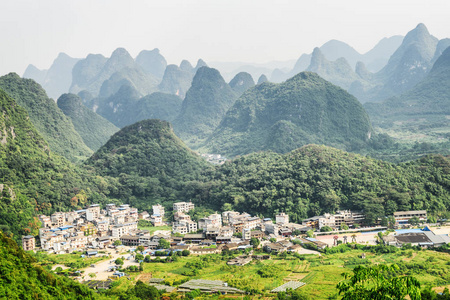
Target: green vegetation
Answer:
[[282, 117], [33, 179], [93, 129], [126, 107], [148, 164], [419, 115], [20, 278], [205, 105], [379, 282], [316, 179], [47, 118], [176, 81]]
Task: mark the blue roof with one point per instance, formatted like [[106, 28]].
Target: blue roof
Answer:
[[65, 227], [400, 231], [267, 219]]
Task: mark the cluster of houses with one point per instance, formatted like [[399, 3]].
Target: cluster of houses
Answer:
[[93, 227]]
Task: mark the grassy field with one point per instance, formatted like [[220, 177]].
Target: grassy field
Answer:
[[320, 273], [152, 229]]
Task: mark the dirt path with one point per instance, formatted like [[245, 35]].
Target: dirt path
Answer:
[[101, 268]]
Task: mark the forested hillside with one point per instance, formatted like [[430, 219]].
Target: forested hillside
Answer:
[[47, 118], [33, 179], [93, 129], [20, 278], [317, 179], [147, 163], [282, 117]]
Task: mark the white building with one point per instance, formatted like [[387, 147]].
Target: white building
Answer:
[[282, 218], [93, 212], [183, 206], [118, 230], [158, 210]]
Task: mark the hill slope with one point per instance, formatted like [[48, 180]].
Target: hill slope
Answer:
[[22, 279], [149, 161], [205, 104], [423, 110], [93, 129], [282, 117], [49, 120], [315, 179], [35, 180]]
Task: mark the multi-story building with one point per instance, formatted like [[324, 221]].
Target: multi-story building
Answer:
[[46, 221], [58, 219], [227, 214], [118, 230], [28, 243], [183, 206], [180, 216], [282, 218], [156, 220], [184, 226], [158, 210], [402, 217], [93, 212], [335, 220]]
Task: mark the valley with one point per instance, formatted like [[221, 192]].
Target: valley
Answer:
[[125, 175]]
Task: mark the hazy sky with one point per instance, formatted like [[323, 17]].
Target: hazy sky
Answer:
[[35, 31]]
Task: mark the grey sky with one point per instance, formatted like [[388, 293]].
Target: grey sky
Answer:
[[35, 31]]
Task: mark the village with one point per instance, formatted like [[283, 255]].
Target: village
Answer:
[[113, 234], [94, 228]]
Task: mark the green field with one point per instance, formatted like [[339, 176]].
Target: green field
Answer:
[[321, 273]]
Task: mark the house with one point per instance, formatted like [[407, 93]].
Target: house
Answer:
[[158, 210], [282, 218], [231, 246], [28, 243], [144, 215], [194, 238], [129, 240], [285, 232], [183, 206], [257, 234], [402, 217]]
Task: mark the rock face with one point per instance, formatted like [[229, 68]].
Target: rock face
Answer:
[[205, 104], [176, 81], [127, 107], [338, 72], [262, 79], [281, 117], [56, 128], [93, 129], [241, 82], [422, 110], [102, 76], [152, 62], [57, 79]]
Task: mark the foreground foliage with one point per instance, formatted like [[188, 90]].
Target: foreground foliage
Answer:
[[20, 278]]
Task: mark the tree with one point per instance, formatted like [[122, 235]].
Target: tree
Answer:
[[164, 244], [343, 227], [273, 240], [414, 221], [139, 257], [326, 229], [185, 252], [380, 282], [254, 242], [144, 291], [310, 233], [140, 248], [119, 261], [117, 243]]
